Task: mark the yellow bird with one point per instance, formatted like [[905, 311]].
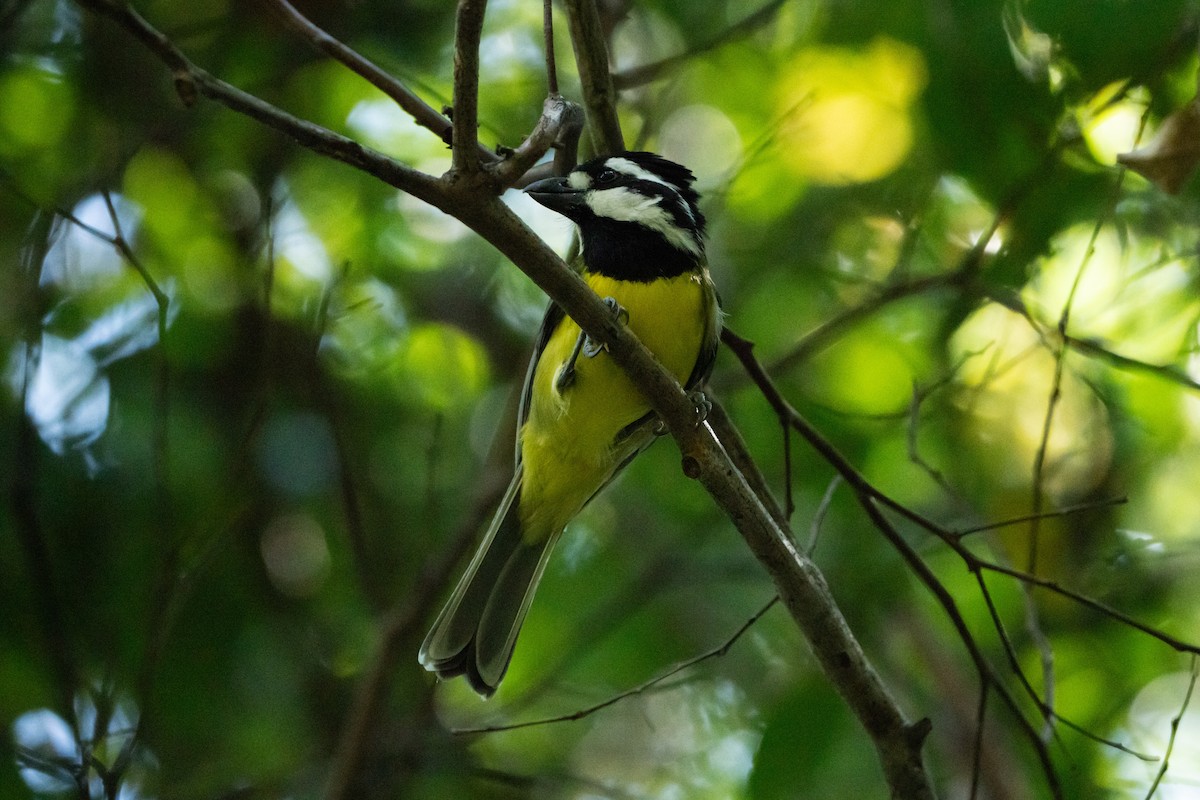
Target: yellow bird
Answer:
[[582, 420]]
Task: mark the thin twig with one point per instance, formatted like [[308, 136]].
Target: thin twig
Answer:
[[424, 114], [986, 671], [977, 745], [1032, 618], [1173, 642], [168, 567], [1178, 718], [638, 76], [789, 504], [1010, 652], [1062, 512], [1045, 649], [818, 520], [162, 302], [1169, 372], [828, 331], [716, 652], [914, 447]]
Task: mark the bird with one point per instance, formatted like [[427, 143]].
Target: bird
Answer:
[[581, 419]]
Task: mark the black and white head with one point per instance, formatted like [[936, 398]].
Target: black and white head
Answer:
[[637, 214]]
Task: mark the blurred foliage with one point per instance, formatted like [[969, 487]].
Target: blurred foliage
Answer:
[[204, 535]]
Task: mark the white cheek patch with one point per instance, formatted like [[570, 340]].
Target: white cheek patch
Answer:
[[579, 181], [625, 206], [627, 167]]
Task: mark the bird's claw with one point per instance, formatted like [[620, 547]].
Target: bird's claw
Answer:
[[592, 348], [700, 402], [588, 346], [702, 405]]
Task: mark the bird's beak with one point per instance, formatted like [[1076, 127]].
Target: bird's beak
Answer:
[[557, 195]]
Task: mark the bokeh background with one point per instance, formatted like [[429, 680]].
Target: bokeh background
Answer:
[[255, 405]]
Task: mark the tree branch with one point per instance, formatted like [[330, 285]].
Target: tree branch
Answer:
[[1178, 718], [1096, 349], [191, 80], [638, 76], [559, 126], [871, 498], [739, 453], [548, 44], [424, 114], [591, 59], [828, 331], [468, 30], [641, 688]]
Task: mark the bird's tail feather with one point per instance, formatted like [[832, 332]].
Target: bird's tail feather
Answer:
[[476, 631]]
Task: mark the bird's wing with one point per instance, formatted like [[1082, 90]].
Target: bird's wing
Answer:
[[712, 334], [554, 316]]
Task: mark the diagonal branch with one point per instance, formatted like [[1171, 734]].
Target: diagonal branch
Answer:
[[191, 80], [987, 673], [1014, 664], [638, 76], [739, 453], [424, 114], [1175, 643], [825, 334], [641, 688], [1096, 349]]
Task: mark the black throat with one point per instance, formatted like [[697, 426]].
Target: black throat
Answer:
[[627, 251]]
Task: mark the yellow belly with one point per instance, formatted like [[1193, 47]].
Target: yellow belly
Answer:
[[567, 443]]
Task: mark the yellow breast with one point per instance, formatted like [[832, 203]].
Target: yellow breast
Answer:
[[567, 441]]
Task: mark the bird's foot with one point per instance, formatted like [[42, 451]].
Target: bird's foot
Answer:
[[592, 348]]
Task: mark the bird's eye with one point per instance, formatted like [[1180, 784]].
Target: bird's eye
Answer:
[[606, 176]]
